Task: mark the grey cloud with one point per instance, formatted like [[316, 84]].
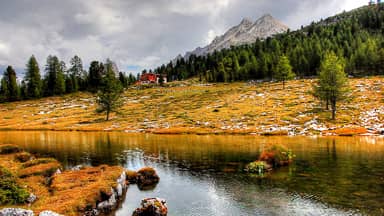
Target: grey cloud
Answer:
[[142, 33]]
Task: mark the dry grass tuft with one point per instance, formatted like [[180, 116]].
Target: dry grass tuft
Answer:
[[44, 169], [349, 131], [9, 149], [75, 191], [131, 176], [38, 161], [23, 157]]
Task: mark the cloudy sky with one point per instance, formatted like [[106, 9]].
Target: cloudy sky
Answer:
[[136, 34]]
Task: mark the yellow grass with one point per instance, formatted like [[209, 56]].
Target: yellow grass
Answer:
[[189, 107], [68, 193]]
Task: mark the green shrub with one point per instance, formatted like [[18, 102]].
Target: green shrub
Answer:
[[258, 167], [10, 191]]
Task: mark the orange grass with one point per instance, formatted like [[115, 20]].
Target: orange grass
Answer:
[[186, 107], [68, 193], [349, 131], [45, 169]]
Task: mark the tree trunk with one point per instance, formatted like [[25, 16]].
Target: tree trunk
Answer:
[[283, 84], [333, 106], [327, 104], [107, 114]]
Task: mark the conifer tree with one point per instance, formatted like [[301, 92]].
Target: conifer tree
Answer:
[[284, 70], [332, 85], [76, 72], [96, 70], [33, 79], [109, 95], [9, 87], [54, 78]]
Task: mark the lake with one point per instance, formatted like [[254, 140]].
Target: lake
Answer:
[[203, 175]]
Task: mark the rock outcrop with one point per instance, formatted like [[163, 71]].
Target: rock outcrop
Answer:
[[152, 207], [115, 195]]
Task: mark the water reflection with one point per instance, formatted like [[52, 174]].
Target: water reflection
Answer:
[[202, 175]]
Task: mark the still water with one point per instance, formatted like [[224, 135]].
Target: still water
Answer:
[[203, 175]]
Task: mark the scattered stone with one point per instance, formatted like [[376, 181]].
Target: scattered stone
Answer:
[[58, 172], [77, 167], [49, 213], [152, 207], [15, 212], [32, 198]]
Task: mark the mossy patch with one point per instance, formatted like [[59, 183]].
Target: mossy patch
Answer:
[[10, 192]]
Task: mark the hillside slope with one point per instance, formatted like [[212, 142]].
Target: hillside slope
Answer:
[[356, 36], [190, 107]]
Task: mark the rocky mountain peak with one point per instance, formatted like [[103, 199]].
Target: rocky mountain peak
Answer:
[[244, 33], [246, 21]]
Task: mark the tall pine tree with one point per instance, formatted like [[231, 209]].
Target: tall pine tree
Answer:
[[9, 87], [33, 79]]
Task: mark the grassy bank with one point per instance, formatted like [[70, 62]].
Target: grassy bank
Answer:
[[67, 193], [191, 107]]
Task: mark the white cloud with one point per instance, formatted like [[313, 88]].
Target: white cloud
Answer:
[[210, 36], [4, 49]]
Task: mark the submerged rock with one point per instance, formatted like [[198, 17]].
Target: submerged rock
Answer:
[[147, 177], [152, 207], [15, 212]]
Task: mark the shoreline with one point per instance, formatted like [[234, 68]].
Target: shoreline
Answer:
[[191, 131]]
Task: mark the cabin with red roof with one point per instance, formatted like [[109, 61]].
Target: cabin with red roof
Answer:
[[148, 78]]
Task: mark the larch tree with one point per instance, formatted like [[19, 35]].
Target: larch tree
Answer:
[[332, 86], [284, 70], [110, 91]]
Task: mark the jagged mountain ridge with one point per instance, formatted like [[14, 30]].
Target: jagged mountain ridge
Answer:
[[245, 33]]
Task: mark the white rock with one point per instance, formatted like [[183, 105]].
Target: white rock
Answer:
[[49, 213], [15, 212]]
